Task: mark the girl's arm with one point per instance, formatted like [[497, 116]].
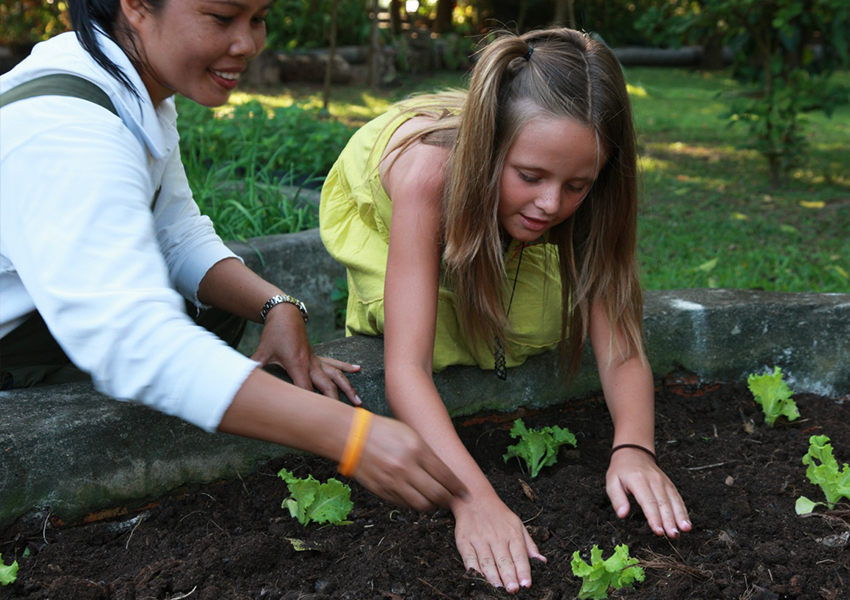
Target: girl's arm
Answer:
[[630, 394], [233, 287], [491, 539]]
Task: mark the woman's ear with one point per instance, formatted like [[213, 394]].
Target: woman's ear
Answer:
[[135, 12]]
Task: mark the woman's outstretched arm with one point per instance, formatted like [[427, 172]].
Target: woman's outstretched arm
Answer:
[[231, 286], [396, 464]]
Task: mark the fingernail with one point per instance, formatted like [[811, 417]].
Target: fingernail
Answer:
[[357, 400], [356, 366], [525, 583]]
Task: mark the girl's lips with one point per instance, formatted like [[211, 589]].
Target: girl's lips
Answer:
[[534, 224], [225, 79]]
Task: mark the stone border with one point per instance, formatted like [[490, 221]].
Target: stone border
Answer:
[[67, 450]]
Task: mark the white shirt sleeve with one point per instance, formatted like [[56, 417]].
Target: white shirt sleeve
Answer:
[[186, 238], [77, 225]]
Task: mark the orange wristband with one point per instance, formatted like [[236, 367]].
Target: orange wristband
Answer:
[[356, 442]]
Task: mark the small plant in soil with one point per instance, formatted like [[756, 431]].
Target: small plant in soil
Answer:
[[538, 447], [774, 396], [8, 573], [616, 572], [310, 500], [822, 470]]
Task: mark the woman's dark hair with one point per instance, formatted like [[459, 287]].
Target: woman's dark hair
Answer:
[[90, 15]]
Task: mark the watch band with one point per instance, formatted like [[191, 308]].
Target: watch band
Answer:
[[280, 299]]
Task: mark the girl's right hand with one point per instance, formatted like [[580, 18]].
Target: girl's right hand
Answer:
[[493, 541], [399, 466]]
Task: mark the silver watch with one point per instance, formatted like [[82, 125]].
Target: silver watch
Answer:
[[280, 299]]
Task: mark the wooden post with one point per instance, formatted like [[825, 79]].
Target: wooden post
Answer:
[[326, 92]]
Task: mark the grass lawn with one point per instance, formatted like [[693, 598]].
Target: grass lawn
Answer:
[[709, 217]]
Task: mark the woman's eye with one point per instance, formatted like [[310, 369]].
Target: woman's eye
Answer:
[[576, 189], [222, 19], [259, 20], [528, 178]]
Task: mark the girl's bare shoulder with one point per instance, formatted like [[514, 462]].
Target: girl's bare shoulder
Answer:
[[414, 169]]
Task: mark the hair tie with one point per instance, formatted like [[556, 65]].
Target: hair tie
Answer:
[[529, 53]]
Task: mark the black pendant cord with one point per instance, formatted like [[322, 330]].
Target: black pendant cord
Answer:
[[501, 369]]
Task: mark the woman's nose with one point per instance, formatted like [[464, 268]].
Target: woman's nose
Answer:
[[245, 43]]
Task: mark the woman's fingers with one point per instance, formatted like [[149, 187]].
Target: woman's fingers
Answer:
[[335, 378], [340, 364], [399, 466]]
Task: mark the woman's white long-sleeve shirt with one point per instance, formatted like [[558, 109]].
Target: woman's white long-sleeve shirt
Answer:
[[80, 243]]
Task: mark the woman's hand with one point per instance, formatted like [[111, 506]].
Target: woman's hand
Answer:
[[400, 467], [284, 342], [493, 541], [633, 472]]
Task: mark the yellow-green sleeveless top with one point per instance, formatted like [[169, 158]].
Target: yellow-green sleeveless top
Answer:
[[354, 218]]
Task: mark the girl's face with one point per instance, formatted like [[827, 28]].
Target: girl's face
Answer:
[[197, 48], [548, 172]]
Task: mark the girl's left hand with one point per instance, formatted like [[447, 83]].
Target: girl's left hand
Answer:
[[284, 342], [633, 472]]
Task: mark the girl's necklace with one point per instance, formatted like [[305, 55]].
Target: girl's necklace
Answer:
[[499, 351]]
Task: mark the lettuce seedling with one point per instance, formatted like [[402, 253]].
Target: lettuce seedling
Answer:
[[597, 577], [774, 396], [538, 447], [311, 500], [8, 573], [835, 483]]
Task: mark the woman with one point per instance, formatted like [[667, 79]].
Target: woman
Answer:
[[100, 241]]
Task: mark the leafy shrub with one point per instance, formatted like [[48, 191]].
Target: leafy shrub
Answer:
[[242, 166]]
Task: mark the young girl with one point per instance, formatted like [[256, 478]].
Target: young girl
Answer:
[[100, 241], [485, 227]]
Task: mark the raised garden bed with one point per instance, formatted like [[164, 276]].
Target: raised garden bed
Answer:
[[233, 540]]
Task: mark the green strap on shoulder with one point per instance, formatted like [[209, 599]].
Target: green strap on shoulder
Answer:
[[59, 84], [62, 84]]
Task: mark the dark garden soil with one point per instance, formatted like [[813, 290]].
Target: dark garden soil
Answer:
[[233, 540]]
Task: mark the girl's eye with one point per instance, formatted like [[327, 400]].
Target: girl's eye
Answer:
[[222, 19], [576, 188], [259, 20], [528, 178]]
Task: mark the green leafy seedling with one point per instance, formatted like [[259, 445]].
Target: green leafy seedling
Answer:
[[313, 501], [538, 447], [8, 573], [774, 396], [822, 470], [616, 572]]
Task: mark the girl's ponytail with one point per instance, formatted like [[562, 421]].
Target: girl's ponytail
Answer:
[[473, 250], [87, 16]]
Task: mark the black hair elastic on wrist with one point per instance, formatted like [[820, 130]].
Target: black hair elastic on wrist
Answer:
[[636, 447], [529, 53]]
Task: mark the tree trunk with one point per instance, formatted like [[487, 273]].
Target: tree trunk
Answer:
[[326, 92], [374, 43], [565, 13], [443, 20], [395, 16]]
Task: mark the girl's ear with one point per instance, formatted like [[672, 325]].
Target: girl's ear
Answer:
[[135, 12]]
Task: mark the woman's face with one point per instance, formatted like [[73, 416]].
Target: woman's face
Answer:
[[197, 48], [548, 171]]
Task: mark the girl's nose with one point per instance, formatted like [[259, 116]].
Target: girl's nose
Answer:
[[549, 201]]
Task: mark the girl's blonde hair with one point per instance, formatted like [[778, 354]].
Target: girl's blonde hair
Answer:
[[559, 73]]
